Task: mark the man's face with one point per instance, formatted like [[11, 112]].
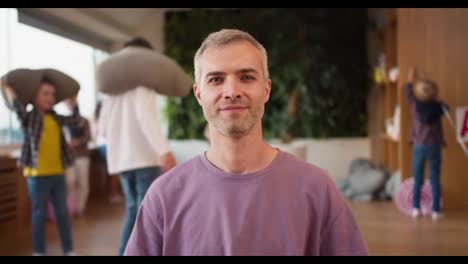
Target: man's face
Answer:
[[232, 89], [45, 97]]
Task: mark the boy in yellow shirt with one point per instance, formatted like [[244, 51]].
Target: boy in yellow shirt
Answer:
[[44, 156]]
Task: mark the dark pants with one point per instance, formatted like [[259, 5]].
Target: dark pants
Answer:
[[40, 189], [134, 184], [431, 154]]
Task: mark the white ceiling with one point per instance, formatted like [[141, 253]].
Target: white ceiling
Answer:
[[130, 17], [111, 24]]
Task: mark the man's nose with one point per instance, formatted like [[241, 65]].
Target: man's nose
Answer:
[[232, 90]]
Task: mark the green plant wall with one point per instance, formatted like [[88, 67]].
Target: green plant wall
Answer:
[[319, 53]]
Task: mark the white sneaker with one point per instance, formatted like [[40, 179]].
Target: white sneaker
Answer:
[[415, 213], [71, 253], [436, 215]]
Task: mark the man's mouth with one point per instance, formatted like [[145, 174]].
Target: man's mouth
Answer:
[[233, 109]]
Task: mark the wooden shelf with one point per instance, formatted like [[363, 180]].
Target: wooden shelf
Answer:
[[386, 147], [7, 164], [14, 198], [388, 138]]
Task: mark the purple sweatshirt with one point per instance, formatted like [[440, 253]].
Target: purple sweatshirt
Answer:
[[423, 134], [289, 208]]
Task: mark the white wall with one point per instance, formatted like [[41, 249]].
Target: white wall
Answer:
[[333, 155], [185, 150]]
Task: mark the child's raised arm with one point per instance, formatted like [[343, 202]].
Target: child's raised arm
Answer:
[[18, 106], [75, 119], [408, 88]]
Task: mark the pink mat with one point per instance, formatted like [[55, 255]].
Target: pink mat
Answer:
[[404, 197]]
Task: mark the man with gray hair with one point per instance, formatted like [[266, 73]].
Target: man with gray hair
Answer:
[[242, 196]]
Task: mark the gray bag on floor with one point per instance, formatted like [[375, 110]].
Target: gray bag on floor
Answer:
[[364, 181]]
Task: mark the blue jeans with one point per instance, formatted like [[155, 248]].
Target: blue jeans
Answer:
[[432, 154], [40, 190], [102, 153], [134, 184]]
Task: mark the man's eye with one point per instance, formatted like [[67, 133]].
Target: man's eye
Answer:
[[215, 80], [248, 77]]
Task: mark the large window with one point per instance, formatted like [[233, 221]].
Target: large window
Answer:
[[22, 46]]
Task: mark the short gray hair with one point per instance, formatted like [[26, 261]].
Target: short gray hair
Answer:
[[224, 37]]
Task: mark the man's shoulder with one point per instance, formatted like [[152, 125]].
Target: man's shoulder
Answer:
[[179, 174], [305, 178], [303, 170]]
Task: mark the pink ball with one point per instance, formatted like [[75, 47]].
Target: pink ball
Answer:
[[404, 197]]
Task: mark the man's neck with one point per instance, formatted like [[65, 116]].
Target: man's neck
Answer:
[[242, 155]]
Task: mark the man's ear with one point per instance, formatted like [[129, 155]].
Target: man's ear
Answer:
[[267, 90], [196, 92]]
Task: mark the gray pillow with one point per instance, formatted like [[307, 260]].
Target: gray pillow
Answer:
[[359, 164], [367, 181], [391, 187], [133, 66], [26, 81]]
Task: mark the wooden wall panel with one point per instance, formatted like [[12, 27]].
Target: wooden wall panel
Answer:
[[436, 41]]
